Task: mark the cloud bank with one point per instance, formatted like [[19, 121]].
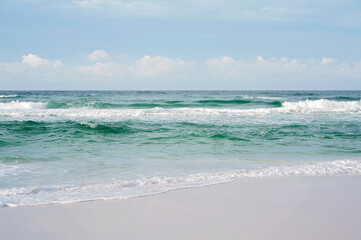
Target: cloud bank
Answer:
[[159, 72]]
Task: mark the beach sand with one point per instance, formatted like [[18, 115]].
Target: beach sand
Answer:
[[326, 207]]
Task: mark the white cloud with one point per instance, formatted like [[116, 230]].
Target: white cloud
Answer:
[[146, 66], [150, 66], [35, 61], [260, 59], [159, 72], [229, 66], [283, 69], [328, 60], [98, 55]]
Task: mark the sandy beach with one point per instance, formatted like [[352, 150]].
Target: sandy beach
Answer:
[[326, 207]]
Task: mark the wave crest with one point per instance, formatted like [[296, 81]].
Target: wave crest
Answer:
[[323, 105], [39, 109], [21, 105], [8, 96]]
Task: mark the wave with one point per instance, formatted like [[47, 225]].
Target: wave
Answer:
[[322, 105], [118, 189], [337, 167], [105, 128], [22, 105], [261, 97], [22, 110], [233, 101], [102, 105], [91, 105], [116, 114], [162, 104], [8, 96], [240, 102], [180, 130], [344, 98], [138, 105], [56, 130], [74, 113], [270, 98]]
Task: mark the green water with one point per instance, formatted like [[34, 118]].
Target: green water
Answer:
[[63, 143]]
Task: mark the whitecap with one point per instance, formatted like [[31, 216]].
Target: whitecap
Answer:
[[21, 105], [8, 96], [322, 105]]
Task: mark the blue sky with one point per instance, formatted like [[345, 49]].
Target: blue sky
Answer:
[[116, 44]]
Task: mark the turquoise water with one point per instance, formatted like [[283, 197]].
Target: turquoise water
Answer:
[[84, 145]]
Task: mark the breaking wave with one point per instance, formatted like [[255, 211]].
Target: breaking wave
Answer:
[[8, 96], [323, 105], [133, 110], [21, 105]]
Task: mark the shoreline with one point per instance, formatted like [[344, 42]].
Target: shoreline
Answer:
[[118, 190], [307, 207]]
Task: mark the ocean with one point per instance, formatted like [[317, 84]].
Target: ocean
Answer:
[[73, 146]]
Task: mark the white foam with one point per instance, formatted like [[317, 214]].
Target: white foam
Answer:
[[139, 187], [8, 96], [348, 167], [91, 125], [14, 170], [247, 97], [30, 110], [323, 105], [270, 98], [126, 113], [261, 97], [22, 105], [8, 170]]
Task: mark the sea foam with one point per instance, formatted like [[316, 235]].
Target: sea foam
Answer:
[[38, 109], [8, 96], [21, 105], [307, 106], [117, 189], [322, 105]]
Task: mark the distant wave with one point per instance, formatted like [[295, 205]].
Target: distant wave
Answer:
[[344, 98], [107, 110], [145, 186], [239, 102], [8, 96], [322, 105], [164, 104], [269, 98], [29, 112], [22, 105], [195, 131], [37, 110]]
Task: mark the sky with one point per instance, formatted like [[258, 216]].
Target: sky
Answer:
[[180, 45]]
